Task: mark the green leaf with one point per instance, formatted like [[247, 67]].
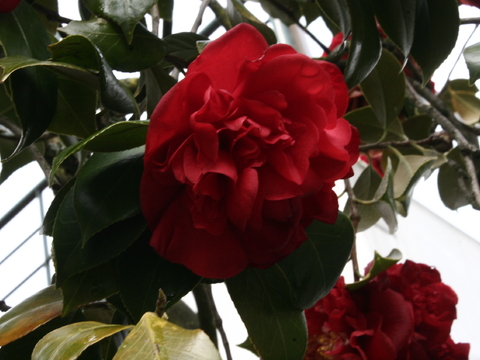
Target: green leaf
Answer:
[[68, 342], [313, 269], [238, 13], [22, 158], [22, 33], [436, 30], [448, 187], [288, 11], [418, 127], [365, 46], [460, 96], [182, 48], [384, 88], [88, 286], [123, 135], [71, 258], [407, 174], [80, 51], [336, 12], [397, 19], [379, 265], [311, 10], [125, 13], [30, 314], [145, 50], [144, 272], [157, 83], [472, 58], [52, 212], [154, 338], [276, 328], [76, 107], [106, 190]]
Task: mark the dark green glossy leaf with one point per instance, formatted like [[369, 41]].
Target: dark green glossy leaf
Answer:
[[472, 58], [450, 191], [418, 127], [436, 30], [379, 264], [76, 107], [22, 33], [68, 342], [125, 13], [88, 286], [288, 11], [365, 46], [71, 258], [337, 13], [311, 10], [144, 272], [49, 219], [123, 135], [397, 19], [157, 83], [276, 328], [239, 13], [106, 190], [145, 50], [76, 50], [22, 158], [384, 88], [182, 48], [314, 268]]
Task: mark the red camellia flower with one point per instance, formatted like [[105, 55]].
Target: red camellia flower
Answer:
[[404, 313], [242, 154], [7, 6]]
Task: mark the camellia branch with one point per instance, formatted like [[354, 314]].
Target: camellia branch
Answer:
[[198, 20], [218, 322], [355, 219], [206, 317], [221, 15], [292, 17], [467, 21], [450, 125], [437, 138]]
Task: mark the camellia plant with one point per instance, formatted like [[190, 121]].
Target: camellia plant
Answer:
[[230, 179]]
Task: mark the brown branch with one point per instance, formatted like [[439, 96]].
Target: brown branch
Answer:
[[437, 138], [449, 123], [292, 17], [355, 219], [198, 20], [467, 21]]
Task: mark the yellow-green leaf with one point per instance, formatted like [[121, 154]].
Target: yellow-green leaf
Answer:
[[68, 342], [30, 314], [154, 338]]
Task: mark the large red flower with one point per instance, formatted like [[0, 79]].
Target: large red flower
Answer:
[[7, 6], [405, 313], [242, 154]]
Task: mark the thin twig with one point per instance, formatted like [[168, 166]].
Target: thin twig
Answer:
[[205, 315], [434, 139], [292, 17], [154, 12], [198, 20], [218, 322], [221, 16], [467, 21], [355, 219], [450, 125]]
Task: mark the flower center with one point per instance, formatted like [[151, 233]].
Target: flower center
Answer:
[[319, 345]]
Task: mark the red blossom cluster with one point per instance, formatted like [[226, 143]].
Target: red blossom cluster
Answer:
[[404, 313]]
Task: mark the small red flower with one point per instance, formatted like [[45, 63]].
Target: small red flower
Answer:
[[243, 153], [406, 312]]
